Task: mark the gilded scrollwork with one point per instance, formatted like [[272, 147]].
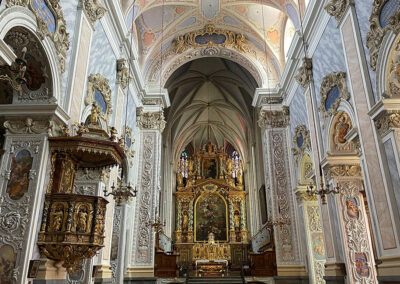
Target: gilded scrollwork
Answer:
[[223, 38], [59, 35], [337, 81], [377, 32], [274, 118], [305, 73]]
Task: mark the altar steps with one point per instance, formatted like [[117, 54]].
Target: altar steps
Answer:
[[215, 280]]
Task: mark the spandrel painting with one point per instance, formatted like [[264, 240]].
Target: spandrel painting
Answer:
[[18, 183], [211, 217], [7, 264]]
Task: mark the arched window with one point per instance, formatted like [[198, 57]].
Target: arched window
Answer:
[[236, 164], [183, 166]]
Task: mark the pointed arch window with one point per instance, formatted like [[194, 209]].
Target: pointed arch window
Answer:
[[236, 164], [184, 164]]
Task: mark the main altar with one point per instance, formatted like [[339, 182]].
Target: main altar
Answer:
[[211, 227]]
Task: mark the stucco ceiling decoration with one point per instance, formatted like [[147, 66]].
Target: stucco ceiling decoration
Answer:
[[210, 100], [266, 24]]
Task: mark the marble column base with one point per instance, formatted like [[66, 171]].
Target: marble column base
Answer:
[[389, 267], [50, 269], [292, 270], [134, 272]]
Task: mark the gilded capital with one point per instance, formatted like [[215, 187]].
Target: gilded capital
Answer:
[[150, 120], [274, 118], [387, 121], [305, 75], [344, 171], [303, 196], [94, 10], [338, 8]]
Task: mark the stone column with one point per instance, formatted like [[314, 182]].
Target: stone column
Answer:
[[310, 212], [379, 196], [353, 222], [334, 264], [150, 121], [274, 120]]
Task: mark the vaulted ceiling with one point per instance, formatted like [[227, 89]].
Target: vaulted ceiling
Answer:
[[267, 25], [210, 100]]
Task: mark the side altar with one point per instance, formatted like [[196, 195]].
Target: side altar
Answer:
[[211, 202]]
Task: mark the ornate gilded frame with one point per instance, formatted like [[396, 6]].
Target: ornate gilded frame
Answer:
[[330, 81], [232, 39], [60, 37], [337, 134], [208, 192], [377, 32], [100, 83], [301, 131]]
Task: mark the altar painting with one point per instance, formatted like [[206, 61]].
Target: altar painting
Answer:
[[211, 217], [18, 183]]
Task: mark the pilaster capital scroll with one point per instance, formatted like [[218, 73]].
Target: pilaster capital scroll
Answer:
[[274, 118], [94, 10], [150, 120], [338, 8], [305, 75]]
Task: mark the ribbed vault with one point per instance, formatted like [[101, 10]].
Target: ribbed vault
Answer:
[[210, 100]]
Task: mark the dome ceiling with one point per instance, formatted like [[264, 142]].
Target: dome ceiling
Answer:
[[210, 100], [266, 24]]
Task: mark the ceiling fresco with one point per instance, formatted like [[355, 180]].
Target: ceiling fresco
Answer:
[[266, 24]]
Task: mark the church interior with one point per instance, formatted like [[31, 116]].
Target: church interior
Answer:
[[199, 141]]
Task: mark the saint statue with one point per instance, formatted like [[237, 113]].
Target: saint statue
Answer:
[[94, 114], [237, 221], [180, 179], [58, 215], [185, 221], [239, 177]]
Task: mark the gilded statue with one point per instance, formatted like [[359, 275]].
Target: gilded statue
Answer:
[[229, 166], [180, 179], [57, 217], [237, 221], [185, 221], [190, 166], [239, 177], [114, 134], [82, 221], [241, 43], [94, 114], [209, 148], [180, 45]]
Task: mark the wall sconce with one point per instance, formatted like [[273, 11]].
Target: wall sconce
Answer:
[[323, 191]]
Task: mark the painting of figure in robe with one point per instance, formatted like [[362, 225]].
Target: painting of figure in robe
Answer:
[[7, 264], [352, 208], [362, 267], [211, 217], [18, 183], [210, 168]]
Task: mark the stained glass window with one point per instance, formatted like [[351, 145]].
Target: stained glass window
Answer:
[[184, 165]]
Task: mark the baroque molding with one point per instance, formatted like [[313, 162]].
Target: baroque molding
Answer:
[[274, 118], [193, 39], [123, 76], [150, 120], [393, 71], [334, 79], [338, 8], [59, 36], [94, 10], [377, 32], [343, 171], [301, 135], [387, 121], [97, 82], [305, 73], [29, 126]]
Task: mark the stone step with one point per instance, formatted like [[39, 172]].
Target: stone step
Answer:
[[214, 280]]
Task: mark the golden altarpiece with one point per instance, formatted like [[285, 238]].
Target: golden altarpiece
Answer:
[[211, 209]]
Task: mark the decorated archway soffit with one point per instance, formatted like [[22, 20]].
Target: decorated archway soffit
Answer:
[[240, 17]]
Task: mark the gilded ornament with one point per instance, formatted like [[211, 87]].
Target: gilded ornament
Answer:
[[210, 36], [387, 121], [393, 71]]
